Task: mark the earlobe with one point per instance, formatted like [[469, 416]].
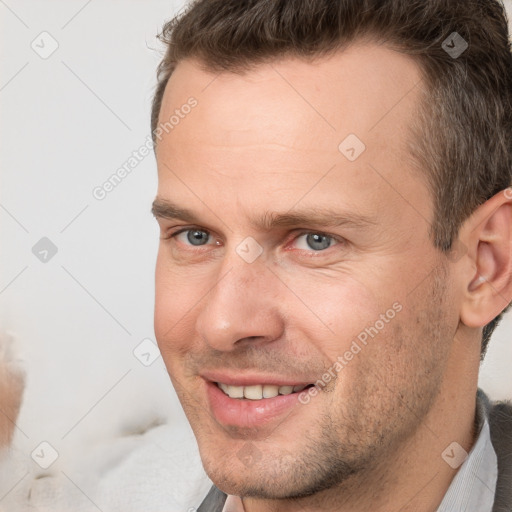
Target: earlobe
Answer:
[[488, 234]]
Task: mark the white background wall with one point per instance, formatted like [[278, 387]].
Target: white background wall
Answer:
[[67, 123]]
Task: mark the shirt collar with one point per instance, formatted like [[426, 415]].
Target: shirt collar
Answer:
[[233, 504], [474, 485]]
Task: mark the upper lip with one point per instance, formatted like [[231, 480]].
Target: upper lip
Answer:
[[252, 379]]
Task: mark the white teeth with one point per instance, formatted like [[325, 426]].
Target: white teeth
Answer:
[[270, 391], [258, 391], [253, 392], [235, 391]]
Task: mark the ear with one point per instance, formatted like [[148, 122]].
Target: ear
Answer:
[[487, 235]]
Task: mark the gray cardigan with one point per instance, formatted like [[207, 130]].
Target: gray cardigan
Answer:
[[499, 415]]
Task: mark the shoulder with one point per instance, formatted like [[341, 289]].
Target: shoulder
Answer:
[[499, 415], [214, 501]]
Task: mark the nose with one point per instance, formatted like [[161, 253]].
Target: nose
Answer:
[[242, 307]]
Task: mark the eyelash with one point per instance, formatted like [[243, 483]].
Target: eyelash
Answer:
[[335, 239]]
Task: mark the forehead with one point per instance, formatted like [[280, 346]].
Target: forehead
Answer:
[[286, 123], [352, 89]]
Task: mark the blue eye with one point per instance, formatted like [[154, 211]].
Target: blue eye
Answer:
[[310, 241], [194, 236], [316, 241]]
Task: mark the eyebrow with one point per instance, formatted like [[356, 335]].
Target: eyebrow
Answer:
[[164, 209]]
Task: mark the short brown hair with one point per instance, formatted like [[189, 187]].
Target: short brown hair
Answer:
[[462, 134]]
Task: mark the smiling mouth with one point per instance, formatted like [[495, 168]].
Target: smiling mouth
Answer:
[[259, 391]]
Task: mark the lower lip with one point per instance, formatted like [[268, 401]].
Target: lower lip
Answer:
[[246, 413]]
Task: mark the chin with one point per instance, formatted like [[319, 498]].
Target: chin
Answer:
[[241, 469]]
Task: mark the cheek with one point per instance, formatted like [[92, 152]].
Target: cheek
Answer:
[[174, 308], [337, 310]]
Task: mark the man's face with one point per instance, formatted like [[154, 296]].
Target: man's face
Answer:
[[302, 258]]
